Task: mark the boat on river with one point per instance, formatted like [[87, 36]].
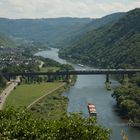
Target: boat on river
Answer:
[[92, 109], [80, 65]]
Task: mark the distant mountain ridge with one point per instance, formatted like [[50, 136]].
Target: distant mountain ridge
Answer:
[[114, 45], [52, 31]]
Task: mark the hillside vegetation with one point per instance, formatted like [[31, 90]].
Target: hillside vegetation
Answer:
[[117, 44], [128, 101], [20, 125]]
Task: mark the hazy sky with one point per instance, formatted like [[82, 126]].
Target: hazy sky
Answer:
[[63, 8]]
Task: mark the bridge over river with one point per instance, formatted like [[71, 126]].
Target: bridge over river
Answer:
[[78, 72], [91, 88]]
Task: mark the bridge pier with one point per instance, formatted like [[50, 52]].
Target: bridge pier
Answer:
[[49, 78], [67, 78], [8, 77], [107, 78], [108, 83], [28, 79], [61, 77]]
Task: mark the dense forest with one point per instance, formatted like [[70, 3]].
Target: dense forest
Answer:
[[115, 45]]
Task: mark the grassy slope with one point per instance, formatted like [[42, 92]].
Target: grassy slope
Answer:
[[53, 106], [24, 95]]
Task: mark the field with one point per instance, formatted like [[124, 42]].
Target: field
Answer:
[[53, 106], [46, 69], [25, 94]]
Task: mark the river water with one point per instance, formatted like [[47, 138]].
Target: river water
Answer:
[[91, 88]]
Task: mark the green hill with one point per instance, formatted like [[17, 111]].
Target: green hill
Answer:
[[113, 45]]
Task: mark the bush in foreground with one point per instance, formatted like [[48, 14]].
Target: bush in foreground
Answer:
[[20, 124]]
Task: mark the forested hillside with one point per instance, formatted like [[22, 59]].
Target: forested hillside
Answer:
[[113, 45], [99, 22], [91, 26]]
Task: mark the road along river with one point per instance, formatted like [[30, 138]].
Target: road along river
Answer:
[[91, 88]]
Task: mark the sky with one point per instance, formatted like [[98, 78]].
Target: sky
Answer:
[[64, 8]]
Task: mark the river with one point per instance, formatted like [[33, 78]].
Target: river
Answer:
[[91, 88]]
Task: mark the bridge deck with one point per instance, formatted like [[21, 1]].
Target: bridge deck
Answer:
[[77, 72]]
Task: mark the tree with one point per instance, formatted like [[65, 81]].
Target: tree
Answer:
[[21, 124], [127, 105]]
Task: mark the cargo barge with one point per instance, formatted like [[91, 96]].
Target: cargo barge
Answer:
[[92, 109]]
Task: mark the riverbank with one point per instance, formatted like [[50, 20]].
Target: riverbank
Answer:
[[54, 104], [43, 97], [128, 101], [50, 92]]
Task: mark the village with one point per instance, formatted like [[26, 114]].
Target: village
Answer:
[[14, 57]]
